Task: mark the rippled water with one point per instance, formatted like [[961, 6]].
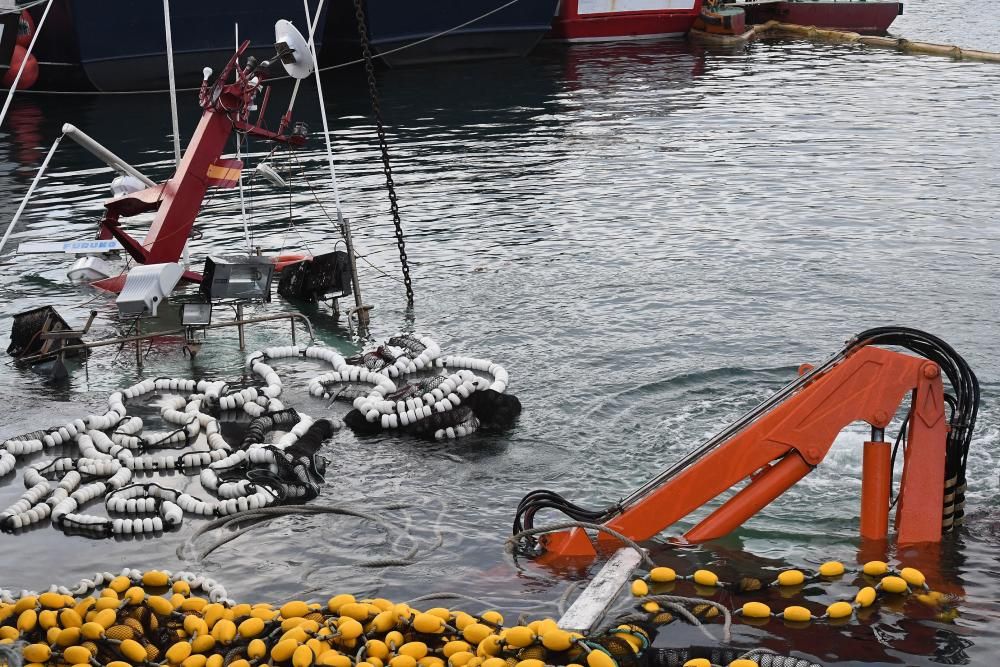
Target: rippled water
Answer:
[[651, 237]]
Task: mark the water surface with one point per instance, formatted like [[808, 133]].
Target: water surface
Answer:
[[650, 237]]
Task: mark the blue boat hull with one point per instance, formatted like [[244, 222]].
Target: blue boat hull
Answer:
[[124, 49], [404, 32]]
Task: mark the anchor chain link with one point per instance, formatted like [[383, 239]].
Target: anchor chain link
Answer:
[[383, 146]]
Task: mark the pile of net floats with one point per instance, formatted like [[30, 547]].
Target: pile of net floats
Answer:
[[154, 617], [446, 397]]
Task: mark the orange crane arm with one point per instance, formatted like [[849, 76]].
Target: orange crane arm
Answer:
[[781, 446]]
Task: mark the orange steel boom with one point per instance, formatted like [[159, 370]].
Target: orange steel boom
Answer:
[[781, 446]]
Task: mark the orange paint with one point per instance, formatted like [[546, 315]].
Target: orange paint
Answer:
[[876, 482]]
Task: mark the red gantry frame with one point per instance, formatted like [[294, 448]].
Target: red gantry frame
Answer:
[[784, 444]]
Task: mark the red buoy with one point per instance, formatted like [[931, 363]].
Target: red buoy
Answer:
[[30, 75], [25, 29]]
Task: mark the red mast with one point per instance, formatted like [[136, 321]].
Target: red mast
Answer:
[[178, 200]]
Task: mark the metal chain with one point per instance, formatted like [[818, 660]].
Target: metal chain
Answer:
[[377, 112]]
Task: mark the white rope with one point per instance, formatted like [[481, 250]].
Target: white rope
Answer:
[[24, 61], [31, 190], [173, 83]]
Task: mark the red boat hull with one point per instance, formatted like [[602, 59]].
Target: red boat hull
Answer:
[[873, 18], [608, 20]]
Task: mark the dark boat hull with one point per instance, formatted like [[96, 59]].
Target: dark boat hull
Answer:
[[8, 37], [122, 49], [57, 50], [403, 32], [871, 17]]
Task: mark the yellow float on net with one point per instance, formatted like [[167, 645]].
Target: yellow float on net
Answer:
[[866, 597], [839, 610], [120, 584], [706, 578], [76, 654], [893, 584], [334, 658], [202, 644], [493, 617], [791, 578], [557, 640], [51, 600], [662, 575], [294, 609], [428, 623], [598, 658], [68, 637], [302, 657], [698, 662], [640, 588], [875, 568], [155, 578], [415, 650], [520, 636], [476, 633], [755, 610], [831, 568], [913, 577], [531, 662], [37, 652], [383, 622], [797, 614], [356, 610]]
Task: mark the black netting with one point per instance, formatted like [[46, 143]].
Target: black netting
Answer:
[[25, 331], [410, 343], [298, 471], [341, 391], [493, 409], [620, 650], [261, 426]]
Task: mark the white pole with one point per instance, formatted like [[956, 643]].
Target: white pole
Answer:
[[243, 208], [102, 153], [236, 70], [312, 29], [24, 61], [173, 83], [31, 190], [322, 105]]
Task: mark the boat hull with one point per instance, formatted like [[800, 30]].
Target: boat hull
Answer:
[[121, 49], [870, 17], [57, 51], [613, 20], [403, 32]]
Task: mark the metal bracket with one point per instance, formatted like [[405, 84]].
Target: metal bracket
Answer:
[[588, 609]]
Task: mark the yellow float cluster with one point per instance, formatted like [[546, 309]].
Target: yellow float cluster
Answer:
[[903, 582], [159, 621]]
